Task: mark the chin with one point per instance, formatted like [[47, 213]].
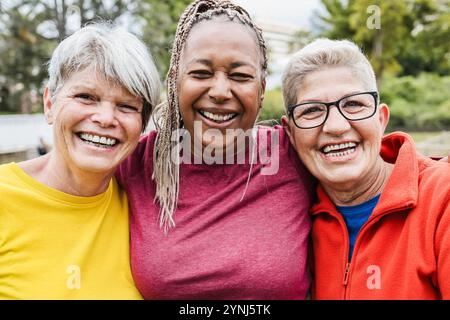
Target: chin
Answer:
[[342, 177], [96, 165]]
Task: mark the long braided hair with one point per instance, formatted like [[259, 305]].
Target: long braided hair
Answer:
[[166, 171]]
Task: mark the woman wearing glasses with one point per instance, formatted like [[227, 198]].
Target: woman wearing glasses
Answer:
[[381, 221]]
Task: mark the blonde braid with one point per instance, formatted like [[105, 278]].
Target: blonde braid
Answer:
[[166, 172]]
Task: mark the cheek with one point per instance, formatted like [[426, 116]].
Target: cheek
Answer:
[[250, 99], [134, 130], [185, 102], [372, 134], [307, 143], [306, 139], [189, 91], [64, 122]]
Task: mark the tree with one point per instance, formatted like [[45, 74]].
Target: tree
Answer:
[[31, 29], [334, 22], [300, 39], [159, 22], [413, 35], [23, 54]]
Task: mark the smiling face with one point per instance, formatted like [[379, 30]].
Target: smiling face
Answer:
[[340, 153], [96, 122], [221, 80]]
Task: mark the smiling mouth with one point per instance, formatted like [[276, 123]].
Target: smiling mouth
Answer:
[[97, 140], [339, 150], [216, 117]]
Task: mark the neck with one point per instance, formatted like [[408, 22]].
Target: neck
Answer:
[[363, 190], [53, 171]]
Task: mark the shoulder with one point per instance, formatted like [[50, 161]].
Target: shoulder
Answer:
[[286, 156], [275, 134], [8, 174], [13, 186], [434, 177]]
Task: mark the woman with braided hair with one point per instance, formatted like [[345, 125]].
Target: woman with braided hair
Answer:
[[235, 227]]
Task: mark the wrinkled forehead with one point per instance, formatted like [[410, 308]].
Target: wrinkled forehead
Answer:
[[330, 83], [224, 19], [202, 26], [90, 78]]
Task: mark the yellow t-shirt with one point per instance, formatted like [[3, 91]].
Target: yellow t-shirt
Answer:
[[55, 245]]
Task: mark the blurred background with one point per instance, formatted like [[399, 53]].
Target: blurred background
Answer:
[[407, 41]]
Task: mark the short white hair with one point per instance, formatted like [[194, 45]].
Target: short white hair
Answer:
[[323, 53], [113, 52]]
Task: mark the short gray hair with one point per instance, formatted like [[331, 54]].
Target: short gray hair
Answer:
[[323, 53], [113, 52]]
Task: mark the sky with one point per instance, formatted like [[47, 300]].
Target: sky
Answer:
[[292, 12]]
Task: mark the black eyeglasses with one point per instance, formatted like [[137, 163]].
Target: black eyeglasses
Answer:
[[354, 107]]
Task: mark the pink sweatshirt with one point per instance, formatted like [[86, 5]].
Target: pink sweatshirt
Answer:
[[221, 247]]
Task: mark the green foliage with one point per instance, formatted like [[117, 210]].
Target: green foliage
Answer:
[[421, 103], [31, 29], [414, 35], [23, 53], [159, 20], [273, 106]]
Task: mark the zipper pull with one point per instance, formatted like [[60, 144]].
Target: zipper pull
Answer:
[[347, 268]]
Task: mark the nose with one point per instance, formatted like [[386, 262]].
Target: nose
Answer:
[[105, 115], [220, 90], [336, 124]]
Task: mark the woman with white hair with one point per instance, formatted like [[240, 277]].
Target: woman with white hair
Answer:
[[381, 221], [64, 231]]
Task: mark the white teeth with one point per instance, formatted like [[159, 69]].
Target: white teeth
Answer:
[[217, 117], [339, 146], [340, 154], [98, 139]]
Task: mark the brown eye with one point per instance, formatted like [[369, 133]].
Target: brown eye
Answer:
[[238, 76], [84, 98], [128, 109], [200, 74]]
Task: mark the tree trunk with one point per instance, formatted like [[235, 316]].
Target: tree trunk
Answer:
[[60, 18], [377, 53]]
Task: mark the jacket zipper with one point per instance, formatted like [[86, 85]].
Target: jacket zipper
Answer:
[[347, 269], [346, 252], [368, 223]]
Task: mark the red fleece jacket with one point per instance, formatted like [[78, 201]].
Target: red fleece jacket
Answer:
[[403, 250]]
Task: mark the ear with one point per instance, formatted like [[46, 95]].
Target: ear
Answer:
[[383, 115], [48, 106], [287, 128]]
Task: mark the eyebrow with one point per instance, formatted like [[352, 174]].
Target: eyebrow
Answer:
[[83, 87], [201, 61], [129, 99], [321, 100], [233, 65]]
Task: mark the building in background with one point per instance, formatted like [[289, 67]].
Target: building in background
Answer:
[[280, 40]]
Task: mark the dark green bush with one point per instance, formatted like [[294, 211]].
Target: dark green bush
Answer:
[[273, 107], [421, 103]]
